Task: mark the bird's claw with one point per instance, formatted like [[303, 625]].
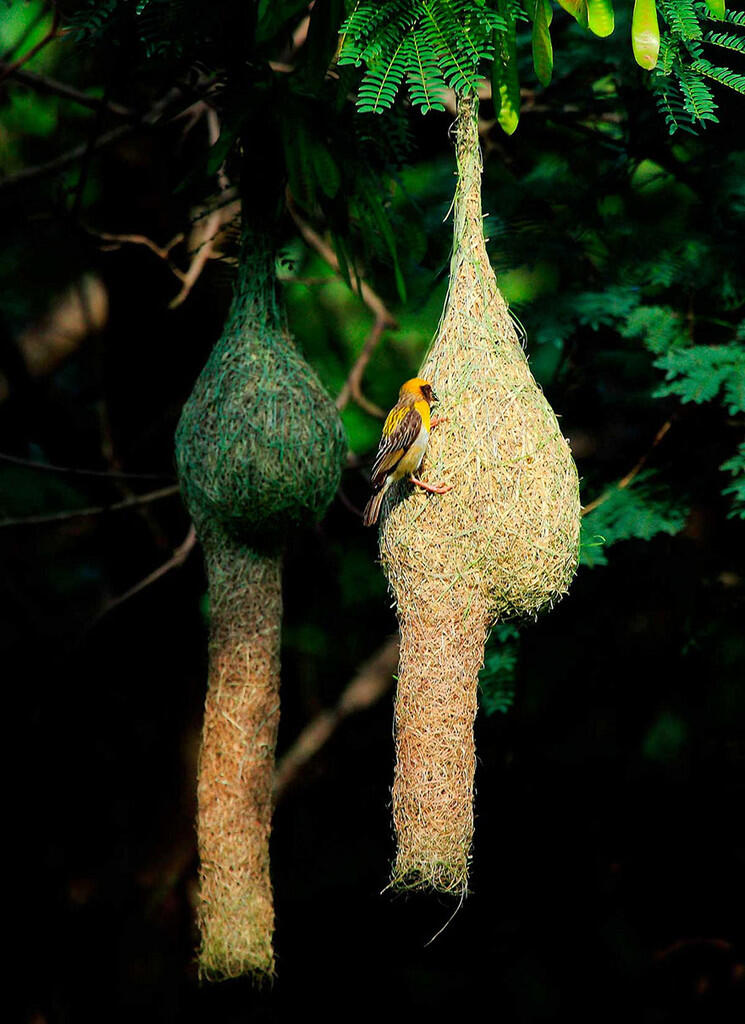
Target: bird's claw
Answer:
[[432, 488]]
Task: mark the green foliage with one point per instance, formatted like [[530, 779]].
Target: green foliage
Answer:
[[736, 466], [432, 44], [683, 96], [640, 511], [666, 738], [725, 76], [702, 373], [505, 78], [726, 40], [497, 678], [658, 326]]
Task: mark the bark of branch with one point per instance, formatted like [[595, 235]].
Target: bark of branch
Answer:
[[51, 34], [163, 252], [373, 680], [384, 319], [223, 214], [41, 83], [177, 559], [110, 474], [150, 119], [95, 510], [624, 482]]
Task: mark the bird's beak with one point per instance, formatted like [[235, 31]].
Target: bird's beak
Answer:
[[434, 396]]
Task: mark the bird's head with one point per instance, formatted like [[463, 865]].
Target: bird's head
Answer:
[[417, 389]]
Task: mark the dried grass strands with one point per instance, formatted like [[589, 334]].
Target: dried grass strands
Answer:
[[259, 449], [236, 764], [502, 543], [435, 750]]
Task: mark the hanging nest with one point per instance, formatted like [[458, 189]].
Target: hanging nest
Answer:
[[502, 543], [259, 448]]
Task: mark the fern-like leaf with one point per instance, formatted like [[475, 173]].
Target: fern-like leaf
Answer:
[[704, 372], [736, 466], [697, 96], [726, 41], [725, 76], [682, 17], [639, 511]]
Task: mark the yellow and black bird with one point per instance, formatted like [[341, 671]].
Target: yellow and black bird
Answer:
[[403, 444]]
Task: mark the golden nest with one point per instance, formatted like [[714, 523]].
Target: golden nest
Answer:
[[502, 543]]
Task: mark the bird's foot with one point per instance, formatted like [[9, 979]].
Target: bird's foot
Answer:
[[432, 488], [436, 421]]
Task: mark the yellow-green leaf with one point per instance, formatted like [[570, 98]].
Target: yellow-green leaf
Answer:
[[543, 52], [577, 9], [600, 17], [505, 81], [645, 33], [717, 8]]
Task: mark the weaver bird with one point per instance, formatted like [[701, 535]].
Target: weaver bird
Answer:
[[403, 444]]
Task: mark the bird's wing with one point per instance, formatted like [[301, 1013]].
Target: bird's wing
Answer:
[[400, 431]]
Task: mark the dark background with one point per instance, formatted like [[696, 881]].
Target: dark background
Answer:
[[608, 859]]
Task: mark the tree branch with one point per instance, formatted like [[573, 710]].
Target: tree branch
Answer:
[[352, 387], [384, 319], [177, 559], [76, 513], [149, 119], [221, 215], [50, 85], [51, 34], [624, 482], [366, 688], [45, 467], [162, 251]]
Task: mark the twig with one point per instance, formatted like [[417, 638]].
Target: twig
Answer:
[[677, 946], [95, 130], [51, 34], [65, 159], [29, 28], [352, 387], [50, 85], [299, 37], [220, 216], [162, 251], [624, 482], [177, 559], [72, 155], [95, 510], [384, 319], [45, 467], [366, 688]]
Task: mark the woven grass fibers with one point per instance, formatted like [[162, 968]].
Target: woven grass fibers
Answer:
[[502, 543], [259, 448], [236, 764]]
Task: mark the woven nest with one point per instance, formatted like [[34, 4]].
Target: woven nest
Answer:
[[259, 449], [259, 445], [502, 543], [236, 763]]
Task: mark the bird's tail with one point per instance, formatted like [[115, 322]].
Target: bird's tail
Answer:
[[372, 508]]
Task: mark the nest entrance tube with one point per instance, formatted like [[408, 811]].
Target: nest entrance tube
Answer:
[[236, 764], [502, 543]]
